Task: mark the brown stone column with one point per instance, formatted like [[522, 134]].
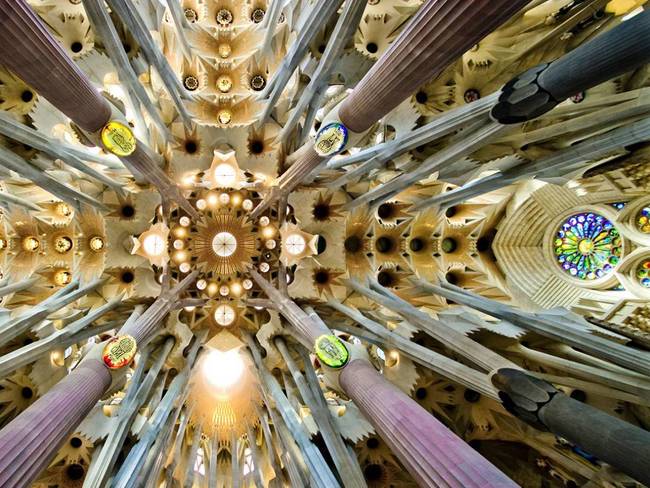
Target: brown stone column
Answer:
[[440, 32], [29, 50]]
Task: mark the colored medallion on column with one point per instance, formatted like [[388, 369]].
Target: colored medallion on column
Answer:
[[331, 351], [331, 139], [119, 351], [118, 139]]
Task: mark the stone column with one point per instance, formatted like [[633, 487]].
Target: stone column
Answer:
[[29, 50], [621, 444], [433, 455], [440, 32], [28, 443], [538, 90]]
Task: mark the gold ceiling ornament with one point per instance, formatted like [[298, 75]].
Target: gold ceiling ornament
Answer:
[[224, 244], [119, 352], [118, 138], [222, 402]]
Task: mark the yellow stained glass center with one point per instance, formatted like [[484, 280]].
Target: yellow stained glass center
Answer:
[[586, 246]]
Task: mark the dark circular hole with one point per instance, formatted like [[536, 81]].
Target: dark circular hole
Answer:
[[449, 244], [258, 15], [191, 147], [385, 210], [483, 244], [128, 211], [373, 472], [385, 279], [571, 484], [421, 393], [258, 82], [75, 442], [416, 244], [27, 392], [321, 211], [127, 48], [372, 443], [579, 395], [321, 48], [256, 147], [421, 97], [452, 278], [27, 96], [450, 212], [321, 277], [371, 47], [384, 244], [76, 47], [75, 471], [471, 396], [127, 277], [352, 244], [321, 245], [471, 95]]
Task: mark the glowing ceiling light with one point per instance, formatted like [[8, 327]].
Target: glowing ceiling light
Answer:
[[224, 315], [295, 244], [223, 369], [224, 244], [154, 245]]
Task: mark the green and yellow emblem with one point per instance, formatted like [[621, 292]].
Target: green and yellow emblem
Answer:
[[331, 139], [119, 351], [118, 138], [331, 351]]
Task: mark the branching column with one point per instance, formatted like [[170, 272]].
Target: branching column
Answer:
[[29, 50], [29, 442], [440, 32], [432, 453]]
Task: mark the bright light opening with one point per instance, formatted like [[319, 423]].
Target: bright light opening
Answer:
[[295, 244], [154, 245], [223, 369], [225, 175], [224, 315], [224, 244]]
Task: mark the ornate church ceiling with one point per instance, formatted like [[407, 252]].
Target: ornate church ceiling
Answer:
[[383, 243]]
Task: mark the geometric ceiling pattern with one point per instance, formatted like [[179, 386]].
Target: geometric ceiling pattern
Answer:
[[328, 243]]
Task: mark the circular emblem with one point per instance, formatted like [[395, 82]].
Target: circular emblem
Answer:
[[331, 139], [119, 351], [118, 138], [331, 351]]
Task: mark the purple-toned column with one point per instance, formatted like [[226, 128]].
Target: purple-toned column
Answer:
[[31, 440], [28, 49], [438, 34], [28, 443], [433, 455]]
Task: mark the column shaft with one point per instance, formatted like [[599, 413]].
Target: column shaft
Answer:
[[28, 443], [433, 455], [29, 50], [440, 32]]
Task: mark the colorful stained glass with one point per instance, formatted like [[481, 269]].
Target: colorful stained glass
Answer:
[[643, 273], [643, 220], [587, 246], [618, 205]]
